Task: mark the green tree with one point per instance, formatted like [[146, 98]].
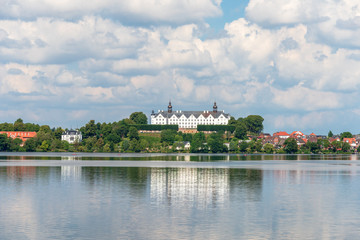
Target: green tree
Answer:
[[240, 131], [58, 132], [345, 147], [98, 147], [268, 148], [19, 125], [44, 146], [125, 145], [290, 145], [234, 145], [312, 147], [243, 146], [216, 143], [133, 133], [134, 145], [15, 144], [89, 130], [254, 123], [89, 143], [30, 145], [330, 134], [168, 136], [4, 143], [197, 143], [345, 135], [138, 118], [232, 121], [113, 138]]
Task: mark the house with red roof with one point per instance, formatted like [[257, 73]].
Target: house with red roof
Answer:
[[282, 135], [352, 142]]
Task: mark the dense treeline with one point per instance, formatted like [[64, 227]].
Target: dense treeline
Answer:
[[19, 125], [149, 127], [127, 136], [215, 128]]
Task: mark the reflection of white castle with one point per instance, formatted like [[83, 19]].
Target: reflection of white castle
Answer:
[[178, 186], [70, 171]]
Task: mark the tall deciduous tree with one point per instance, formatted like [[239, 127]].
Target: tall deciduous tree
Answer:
[[4, 143], [346, 135], [290, 145], [133, 133], [254, 123], [89, 130], [138, 118]]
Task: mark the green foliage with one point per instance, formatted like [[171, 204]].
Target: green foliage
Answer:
[[30, 145], [4, 143], [125, 145], [152, 127], [89, 130], [234, 145], [268, 148], [312, 147], [133, 133], [346, 135], [240, 131], [197, 144], [345, 147], [290, 145], [215, 128], [19, 125], [243, 146], [134, 145], [138, 118], [254, 123], [330, 134], [216, 143], [168, 136]]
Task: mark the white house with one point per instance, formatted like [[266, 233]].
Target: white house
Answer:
[[71, 136], [190, 119]]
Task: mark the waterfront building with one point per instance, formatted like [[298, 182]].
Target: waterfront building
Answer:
[[19, 134], [71, 136], [190, 119]]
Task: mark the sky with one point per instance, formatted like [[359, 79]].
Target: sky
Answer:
[[294, 62]]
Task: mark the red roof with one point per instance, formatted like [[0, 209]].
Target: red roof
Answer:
[[297, 133], [349, 140], [281, 134], [22, 135]]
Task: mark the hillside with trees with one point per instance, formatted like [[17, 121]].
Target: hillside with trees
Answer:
[[133, 134]]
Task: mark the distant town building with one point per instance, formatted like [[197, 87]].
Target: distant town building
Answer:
[[21, 135], [190, 119], [71, 136], [282, 135]]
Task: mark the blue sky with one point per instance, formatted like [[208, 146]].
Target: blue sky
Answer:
[[296, 63]]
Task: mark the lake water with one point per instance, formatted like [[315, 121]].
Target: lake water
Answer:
[[183, 196]]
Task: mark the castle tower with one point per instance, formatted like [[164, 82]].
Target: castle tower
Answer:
[[169, 107], [214, 108]]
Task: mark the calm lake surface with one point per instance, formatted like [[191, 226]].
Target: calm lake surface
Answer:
[[182, 196]]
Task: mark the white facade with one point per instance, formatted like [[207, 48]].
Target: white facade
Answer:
[[72, 136], [190, 119]]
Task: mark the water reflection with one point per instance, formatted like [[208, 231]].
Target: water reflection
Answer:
[[73, 202], [175, 157], [70, 172], [184, 186]]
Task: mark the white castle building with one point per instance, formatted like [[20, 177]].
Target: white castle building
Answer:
[[72, 136], [190, 119]]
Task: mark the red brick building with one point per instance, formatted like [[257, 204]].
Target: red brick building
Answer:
[[22, 135]]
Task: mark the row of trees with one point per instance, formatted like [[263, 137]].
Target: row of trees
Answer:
[[124, 136]]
